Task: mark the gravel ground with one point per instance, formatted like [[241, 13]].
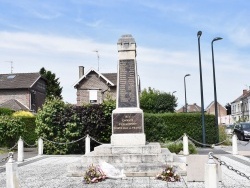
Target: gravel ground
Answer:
[[51, 172]]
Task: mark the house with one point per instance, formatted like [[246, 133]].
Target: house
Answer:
[[223, 118], [190, 108], [240, 107], [94, 87], [22, 91]]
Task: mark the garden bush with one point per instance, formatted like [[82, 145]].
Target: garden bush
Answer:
[[176, 147], [29, 136], [11, 128], [223, 137], [64, 123]]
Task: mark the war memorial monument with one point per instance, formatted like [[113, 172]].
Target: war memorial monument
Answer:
[[128, 149]]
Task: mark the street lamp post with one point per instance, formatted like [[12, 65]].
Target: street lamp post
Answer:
[[215, 92], [201, 87], [185, 91], [173, 92]]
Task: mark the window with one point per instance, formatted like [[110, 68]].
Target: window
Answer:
[[11, 76], [92, 96]]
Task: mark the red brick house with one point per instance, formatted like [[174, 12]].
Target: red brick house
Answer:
[[94, 87], [222, 111], [223, 118], [22, 91]]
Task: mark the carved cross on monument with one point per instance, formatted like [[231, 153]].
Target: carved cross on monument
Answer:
[[127, 118]]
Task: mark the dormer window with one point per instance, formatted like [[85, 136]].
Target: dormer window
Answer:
[[11, 76]]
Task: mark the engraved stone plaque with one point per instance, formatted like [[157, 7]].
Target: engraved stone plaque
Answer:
[[127, 84], [127, 123]]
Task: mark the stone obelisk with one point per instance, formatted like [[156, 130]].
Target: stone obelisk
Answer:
[[127, 118]]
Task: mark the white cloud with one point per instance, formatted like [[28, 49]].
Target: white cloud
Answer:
[[162, 69]]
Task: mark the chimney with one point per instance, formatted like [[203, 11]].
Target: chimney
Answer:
[[81, 71], [244, 91]]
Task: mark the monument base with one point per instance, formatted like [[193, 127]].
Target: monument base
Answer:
[[128, 139], [137, 161], [147, 160], [128, 127]]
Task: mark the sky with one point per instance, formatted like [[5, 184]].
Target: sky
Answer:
[[61, 35]]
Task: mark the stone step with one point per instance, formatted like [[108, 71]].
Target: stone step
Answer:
[[92, 158], [150, 148], [132, 169], [148, 160], [150, 168]]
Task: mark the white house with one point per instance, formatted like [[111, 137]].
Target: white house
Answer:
[[240, 107]]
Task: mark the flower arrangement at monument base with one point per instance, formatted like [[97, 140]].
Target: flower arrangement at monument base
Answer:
[[169, 174], [94, 174]]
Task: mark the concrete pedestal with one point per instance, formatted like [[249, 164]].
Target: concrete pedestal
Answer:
[[147, 160]]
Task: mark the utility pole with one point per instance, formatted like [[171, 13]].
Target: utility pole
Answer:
[[11, 66]]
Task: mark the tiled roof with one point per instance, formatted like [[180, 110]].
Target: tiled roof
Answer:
[[244, 95], [212, 103], [111, 76], [14, 105], [18, 80], [190, 108]]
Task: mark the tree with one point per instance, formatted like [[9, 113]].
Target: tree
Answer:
[[155, 101], [53, 88], [228, 107]]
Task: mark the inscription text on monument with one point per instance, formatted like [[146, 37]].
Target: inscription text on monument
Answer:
[[127, 123], [127, 84]]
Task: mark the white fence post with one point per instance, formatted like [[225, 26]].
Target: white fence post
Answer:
[[234, 145], [40, 146], [87, 144], [11, 173], [211, 173], [185, 145], [20, 150]]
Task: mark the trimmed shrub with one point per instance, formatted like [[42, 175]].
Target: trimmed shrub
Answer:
[[171, 126], [22, 113], [6, 111]]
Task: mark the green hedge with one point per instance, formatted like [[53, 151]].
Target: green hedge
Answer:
[[29, 136], [6, 111], [171, 126], [62, 122]]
